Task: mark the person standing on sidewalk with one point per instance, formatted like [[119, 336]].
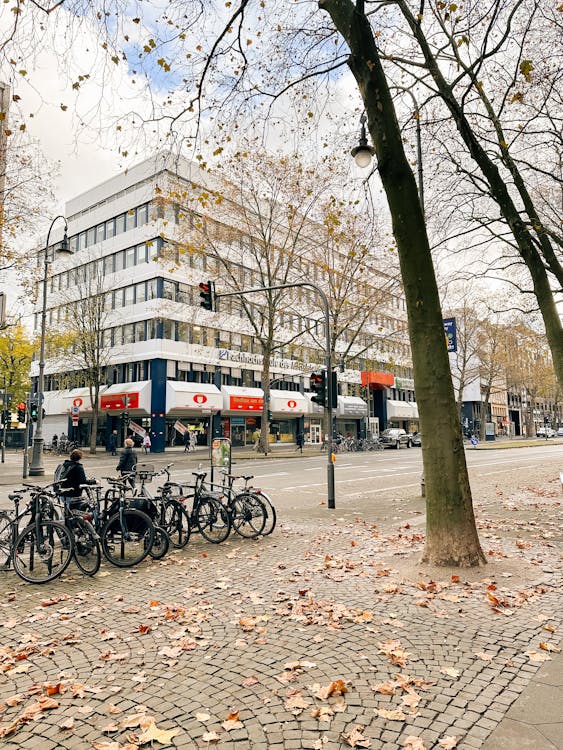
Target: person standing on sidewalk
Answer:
[[113, 443], [299, 440], [147, 443], [186, 441]]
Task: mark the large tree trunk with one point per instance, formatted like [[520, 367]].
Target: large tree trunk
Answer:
[[264, 445], [451, 534]]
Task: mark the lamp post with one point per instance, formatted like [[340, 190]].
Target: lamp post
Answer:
[[36, 467], [363, 152]]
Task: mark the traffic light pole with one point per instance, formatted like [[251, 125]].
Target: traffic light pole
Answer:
[[328, 361]]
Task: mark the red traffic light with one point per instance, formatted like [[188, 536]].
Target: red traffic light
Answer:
[[207, 295], [21, 406]]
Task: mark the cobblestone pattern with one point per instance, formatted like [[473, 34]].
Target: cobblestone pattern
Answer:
[[243, 628]]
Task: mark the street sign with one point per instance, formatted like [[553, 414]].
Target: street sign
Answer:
[[451, 334], [77, 402], [75, 411]]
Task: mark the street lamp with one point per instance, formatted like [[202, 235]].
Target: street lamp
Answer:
[[36, 467], [363, 152]]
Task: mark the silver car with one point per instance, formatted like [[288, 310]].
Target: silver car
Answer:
[[394, 437]]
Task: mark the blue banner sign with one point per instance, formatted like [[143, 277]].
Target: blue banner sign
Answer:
[[450, 331]]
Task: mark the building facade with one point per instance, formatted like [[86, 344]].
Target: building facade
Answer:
[[168, 365]]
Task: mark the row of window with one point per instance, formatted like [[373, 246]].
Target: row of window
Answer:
[[135, 217], [88, 277]]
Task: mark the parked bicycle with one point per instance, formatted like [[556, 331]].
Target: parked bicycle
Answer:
[[252, 512], [43, 549]]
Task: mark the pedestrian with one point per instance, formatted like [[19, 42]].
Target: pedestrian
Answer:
[[70, 475], [146, 442], [113, 441], [186, 441], [193, 440], [256, 438], [127, 460], [54, 441], [299, 440]]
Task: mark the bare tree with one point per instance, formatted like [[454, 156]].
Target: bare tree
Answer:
[[85, 347]]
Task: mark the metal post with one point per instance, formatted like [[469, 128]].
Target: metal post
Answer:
[[4, 410], [36, 467], [26, 439]]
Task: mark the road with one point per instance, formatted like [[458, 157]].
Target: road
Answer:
[[299, 482]]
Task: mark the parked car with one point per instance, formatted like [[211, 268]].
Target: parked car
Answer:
[[416, 440], [394, 437], [560, 432], [545, 432]]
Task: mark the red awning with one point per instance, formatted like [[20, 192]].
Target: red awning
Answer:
[[378, 381]]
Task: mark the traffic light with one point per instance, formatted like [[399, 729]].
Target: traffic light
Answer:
[[207, 295], [269, 416], [33, 409], [125, 418], [318, 386], [334, 389], [21, 412], [6, 417]]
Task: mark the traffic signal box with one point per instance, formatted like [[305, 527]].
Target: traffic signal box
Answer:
[[319, 388], [22, 412], [125, 418], [207, 295]]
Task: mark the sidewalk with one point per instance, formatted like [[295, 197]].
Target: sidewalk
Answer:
[[327, 635]]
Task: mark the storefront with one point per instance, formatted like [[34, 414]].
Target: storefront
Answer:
[[402, 414], [313, 423], [189, 408], [241, 413], [351, 413], [288, 409], [135, 400]]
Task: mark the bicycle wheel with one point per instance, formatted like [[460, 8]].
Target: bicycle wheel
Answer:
[[176, 521], [213, 520], [5, 539], [43, 552], [248, 515], [87, 552], [271, 517], [127, 543], [160, 544]]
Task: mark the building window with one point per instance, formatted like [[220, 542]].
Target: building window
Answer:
[[168, 330], [140, 292], [130, 257], [142, 215], [130, 217], [185, 332], [120, 224], [168, 290], [91, 237], [142, 253], [108, 264], [110, 228], [129, 296], [120, 261]]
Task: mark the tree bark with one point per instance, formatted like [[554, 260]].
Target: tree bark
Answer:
[[451, 534]]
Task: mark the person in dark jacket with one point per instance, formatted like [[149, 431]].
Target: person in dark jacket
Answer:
[[127, 458], [72, 476], [113, 440]]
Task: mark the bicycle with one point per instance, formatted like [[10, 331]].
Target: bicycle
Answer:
[[86, 551], [248, 512], [127, 534], [171, 514], [9, 528], [208, 514], [271, 516], [42, 550]]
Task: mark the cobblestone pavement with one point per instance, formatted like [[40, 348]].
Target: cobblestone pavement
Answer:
[[328, 634]]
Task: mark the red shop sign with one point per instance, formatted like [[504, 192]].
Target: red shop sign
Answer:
[[246, 403], [292, 404], [120, 401], [200, 398], [77, 402]]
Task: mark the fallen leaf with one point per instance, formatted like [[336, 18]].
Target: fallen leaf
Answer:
[[202, 717], [451, 672], [153, 733], [550, 647], [355, 738], [394, 714], [211, 737], [67, 723], [250, 681], [448, 743], [414, 743]]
